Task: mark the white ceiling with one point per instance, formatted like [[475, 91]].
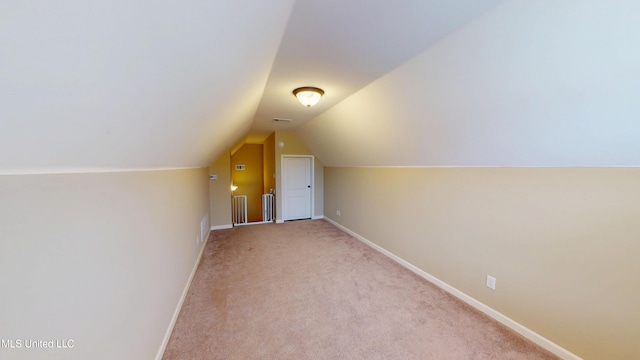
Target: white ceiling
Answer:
[[109, 84], [341, 46], [105, 85], [530, 83], [116, 85]]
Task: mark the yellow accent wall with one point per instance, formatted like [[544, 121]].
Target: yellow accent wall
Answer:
[[250, 180], [269, 163], [563, 243]]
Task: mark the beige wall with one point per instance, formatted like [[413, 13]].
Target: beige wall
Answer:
[[562, 242], [250, 180], [220, 191], [318, 192], [291, 145], [99, 258]]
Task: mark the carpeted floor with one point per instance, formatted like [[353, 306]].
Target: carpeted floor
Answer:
[[307, 290]]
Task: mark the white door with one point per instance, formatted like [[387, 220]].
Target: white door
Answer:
[[296, 187]]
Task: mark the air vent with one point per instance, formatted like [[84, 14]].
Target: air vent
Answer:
[[281, 120]]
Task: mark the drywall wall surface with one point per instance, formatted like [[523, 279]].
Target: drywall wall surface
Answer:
[[99, 259], [562, 242], [269, 163], [220, 191], [249, 179], [288, 143], [318, 191]]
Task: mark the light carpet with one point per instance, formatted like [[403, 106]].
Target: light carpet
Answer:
[[307, 290]]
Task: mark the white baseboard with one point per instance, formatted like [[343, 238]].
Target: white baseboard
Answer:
[[494, 314], [172, 324], [255, 223], [317, 217], [221, 227]]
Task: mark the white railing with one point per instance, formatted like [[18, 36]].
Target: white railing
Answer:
[[240, 209], [267, 207]]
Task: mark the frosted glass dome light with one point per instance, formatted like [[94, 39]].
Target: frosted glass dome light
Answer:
[[308, 95]]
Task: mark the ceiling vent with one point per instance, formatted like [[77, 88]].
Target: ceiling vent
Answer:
[[281, 120]]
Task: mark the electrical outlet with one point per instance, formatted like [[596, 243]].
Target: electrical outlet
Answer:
[[491, 282], [338, 212]]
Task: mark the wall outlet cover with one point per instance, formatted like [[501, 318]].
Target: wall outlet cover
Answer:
[[491, 282]]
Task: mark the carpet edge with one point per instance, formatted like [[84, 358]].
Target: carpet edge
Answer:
[[176, 313], [489, 311]]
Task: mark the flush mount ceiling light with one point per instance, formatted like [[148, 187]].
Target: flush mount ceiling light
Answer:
[[308, 96]]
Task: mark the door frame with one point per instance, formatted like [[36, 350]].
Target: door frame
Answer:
[[282, 175]]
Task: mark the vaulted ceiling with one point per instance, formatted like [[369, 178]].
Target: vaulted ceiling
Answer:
[[341, 46], [529, 83], [111, 85]]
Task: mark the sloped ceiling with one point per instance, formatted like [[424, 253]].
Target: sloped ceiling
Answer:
[[110, 84], [530, 83], [114, 85], [341, 46]]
